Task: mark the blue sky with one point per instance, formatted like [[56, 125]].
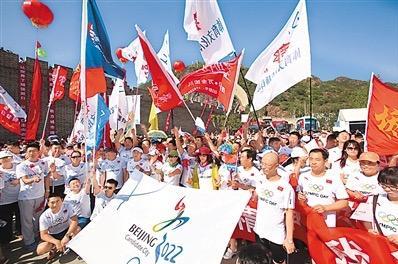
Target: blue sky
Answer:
[[348, 37]]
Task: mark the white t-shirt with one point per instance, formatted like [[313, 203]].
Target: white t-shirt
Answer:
[[324, 190], [188, 164], [274, 197], [114, 170], [60, 168], [334, 154], [166, 169], [289, 169], [101, 201], [30, 169], [126, 154], [144, 164], [9, 193], [204, 175], [80, 202], [349, 168], [363, 184], [59, 222], [226, 172], [387, 215], [248, 177], [75, 172]]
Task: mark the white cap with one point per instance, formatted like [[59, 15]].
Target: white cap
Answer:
[[5, 154], [298, 152], [137, 149], [305, 139]]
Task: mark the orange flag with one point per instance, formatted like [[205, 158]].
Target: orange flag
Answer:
[[382, 125], [74, 86]]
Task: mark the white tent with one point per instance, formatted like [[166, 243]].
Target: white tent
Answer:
[[348, 119]]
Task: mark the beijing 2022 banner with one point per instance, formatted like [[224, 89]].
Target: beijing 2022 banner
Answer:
[[151, 222]]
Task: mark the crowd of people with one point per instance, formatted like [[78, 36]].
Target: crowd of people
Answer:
[[50, 190]]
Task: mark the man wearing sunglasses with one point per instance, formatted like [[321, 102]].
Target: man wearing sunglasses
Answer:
[[364, 182], [102, 197], [75, 170]]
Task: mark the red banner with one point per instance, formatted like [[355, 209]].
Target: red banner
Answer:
[[22, 93], [74, 85], [50, 127], [207, 80], [58, 83], [34, 104], [382, 125], [244, 229], [8, 120]]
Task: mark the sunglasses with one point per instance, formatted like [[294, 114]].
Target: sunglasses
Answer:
[[352, 148], [75, 157], [108, 187], [367, 163], [390, 187]]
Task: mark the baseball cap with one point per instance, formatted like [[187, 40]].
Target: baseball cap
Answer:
[[298, 152], [204, 150], [305, 139], [137, 149], [173, 153], [370, 156], [5, 154]]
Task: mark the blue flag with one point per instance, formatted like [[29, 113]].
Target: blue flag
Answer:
[[98, 116]]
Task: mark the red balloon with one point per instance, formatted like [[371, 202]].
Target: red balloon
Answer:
[[179, 66], [39, 14], [120, 56]]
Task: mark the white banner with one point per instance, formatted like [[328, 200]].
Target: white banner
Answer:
[[204, 23], [14, 107], [133, 52], [285, 62], [134, 105], [153, 223], [118, 106], [164, 56]]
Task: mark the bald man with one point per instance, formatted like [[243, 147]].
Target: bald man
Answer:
[[274, 222]]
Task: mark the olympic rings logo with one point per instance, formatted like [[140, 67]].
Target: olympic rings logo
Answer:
[[268, 193], [368, 187], [316, 187], [388, 218], [181, 220]]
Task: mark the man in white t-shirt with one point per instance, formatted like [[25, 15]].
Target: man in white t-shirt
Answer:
[[56, 164], [321, 189], [79, 198], [103, 197], [58, 224], [247, 173], [113, 168], [32, 174], [364, 183], [274, 221]]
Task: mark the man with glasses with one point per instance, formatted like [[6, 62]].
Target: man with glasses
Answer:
[[76, 169], [102, 197], [364, 183]]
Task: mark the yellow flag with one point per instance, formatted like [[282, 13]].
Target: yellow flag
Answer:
[[153, 118]]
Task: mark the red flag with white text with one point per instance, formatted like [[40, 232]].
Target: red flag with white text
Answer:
[[165, 94], [59, 79]]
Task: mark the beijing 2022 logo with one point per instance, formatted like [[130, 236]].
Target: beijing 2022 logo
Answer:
[[179, 219]]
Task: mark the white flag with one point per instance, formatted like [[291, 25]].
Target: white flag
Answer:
[[164, 56], [15, 109], [204, 23], [285, 62], [134, 105], [133, 52], [118, 106]]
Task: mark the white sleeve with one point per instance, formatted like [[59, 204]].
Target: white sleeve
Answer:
[[21, 170], [289, 198], [340, 191], [43, 224]]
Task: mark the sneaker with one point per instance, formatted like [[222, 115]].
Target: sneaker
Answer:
[[229, 254]]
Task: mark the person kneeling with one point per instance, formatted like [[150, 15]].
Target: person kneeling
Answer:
[[58, 224]]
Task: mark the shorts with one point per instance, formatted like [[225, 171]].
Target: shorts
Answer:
[[60, 235], [278, 252]]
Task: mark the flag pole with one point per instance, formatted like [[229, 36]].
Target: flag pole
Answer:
[[43, 133], [310, 108], [248, 95]]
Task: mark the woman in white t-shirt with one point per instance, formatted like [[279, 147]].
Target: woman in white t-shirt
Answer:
[[385, 206], [349, 162], [172, 169]]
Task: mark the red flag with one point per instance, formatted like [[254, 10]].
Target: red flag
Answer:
[[9, 121], [165, 94], [244, 229], [209, 117], [207, 80], [35, 104], [59, 79], [74, 85], [342, 244], [227, 92], [382, 125]]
